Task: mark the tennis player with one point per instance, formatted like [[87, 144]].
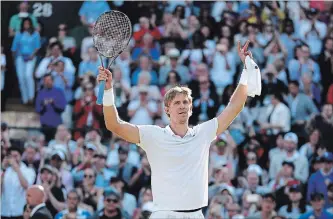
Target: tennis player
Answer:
[[178, 155]]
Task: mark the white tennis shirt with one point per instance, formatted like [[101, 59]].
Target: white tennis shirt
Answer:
[[179, 165]]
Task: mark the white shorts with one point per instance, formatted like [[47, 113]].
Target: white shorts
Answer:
[[177, 215]]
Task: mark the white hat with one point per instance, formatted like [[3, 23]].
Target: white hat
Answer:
[[255, 168], [290, 136], [60, 153], [148, 206], [91, 146], [173, 53]]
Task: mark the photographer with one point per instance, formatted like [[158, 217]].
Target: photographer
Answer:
[[86, 112], [16, 178]]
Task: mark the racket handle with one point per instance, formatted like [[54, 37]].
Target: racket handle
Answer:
[[100, 93]]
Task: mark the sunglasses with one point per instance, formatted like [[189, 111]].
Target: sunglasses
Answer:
[[113, 200], [88, 176]]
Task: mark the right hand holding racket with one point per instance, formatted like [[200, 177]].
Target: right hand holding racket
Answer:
[[105, 75]]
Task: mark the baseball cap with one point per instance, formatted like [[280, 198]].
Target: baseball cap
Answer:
[[327, 156], [316, 196], [58, 153], [295, 188], [47, 167], [110, 191], [173, 53], [290, 136]]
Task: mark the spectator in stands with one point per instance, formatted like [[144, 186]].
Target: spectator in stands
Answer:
[[94, 136], [16, 20], [291, 155], [122, 87], [88, 191], [304, 65], [128, 201], [47, 64], [73, 207], [64, 81], [50, 103], [206, 104], [90, 66], [301, 106], [312, 31], [319, 181], [112, 207], [30, 151], [146, 26], [91, 10], [173, 79], [148, 47], [277, 116], [142, 110], [330, 197], [68, 42], [285, 175], [173, 54], [296, 205], [53, 188], [25, 46], [311, 89], [267, 208], [289, 38], [87, 42], [16, 178], [224, 65], [317, 203], [325, 61], [200, 70], [145, 65], [145, 81], [279, 146], [86, 112], [309, 148]]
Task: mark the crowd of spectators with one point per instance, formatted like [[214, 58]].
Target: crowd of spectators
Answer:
[[274, 161]]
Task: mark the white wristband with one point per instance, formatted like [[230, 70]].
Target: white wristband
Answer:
[[108, 98], [243, 78]]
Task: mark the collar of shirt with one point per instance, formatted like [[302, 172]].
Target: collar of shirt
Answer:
[[36, 209], [189, 132]]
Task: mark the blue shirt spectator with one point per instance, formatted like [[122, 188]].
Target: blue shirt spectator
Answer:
[[63, 80], [319, 180], [154, 53], [50, 103], [25, 44], [91, 65], [91, 10]]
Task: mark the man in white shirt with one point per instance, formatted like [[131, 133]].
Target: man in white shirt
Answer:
[[178, 155], [17, 177]]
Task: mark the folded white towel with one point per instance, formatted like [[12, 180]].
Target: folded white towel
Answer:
[[254, 77]]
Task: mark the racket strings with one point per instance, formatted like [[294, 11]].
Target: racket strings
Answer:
[[112, 33]]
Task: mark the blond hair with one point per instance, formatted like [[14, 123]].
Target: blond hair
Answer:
[[172, 93]]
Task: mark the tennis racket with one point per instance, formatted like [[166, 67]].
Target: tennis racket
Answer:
[[111, 35]]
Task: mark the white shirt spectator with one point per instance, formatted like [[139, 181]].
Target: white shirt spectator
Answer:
[[280, 115], [86, 43], [142, 116], [42, 67], [219, 73], [195, 56], [13, 194]]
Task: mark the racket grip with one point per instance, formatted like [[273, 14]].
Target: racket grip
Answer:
[[100, 93]]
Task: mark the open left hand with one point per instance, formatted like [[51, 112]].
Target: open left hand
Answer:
[[242, 52]]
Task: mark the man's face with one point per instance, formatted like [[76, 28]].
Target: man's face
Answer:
[[329, 45], [317, 204], [48, 82], [16, 156], [180, 109], [31, 198], [280, 142], [23, 7], [30, 153], [293, 89], [252, 179], [56, 161], [123, 156], [62, 131], [72, 200], [203, 82], [144, 63], [289, 146], [287, 170], [201, 69], [328, 165], [55, 51], [267, 205], [111, 202]]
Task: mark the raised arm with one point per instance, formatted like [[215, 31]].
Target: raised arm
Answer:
[[123, 129], [238, 98]]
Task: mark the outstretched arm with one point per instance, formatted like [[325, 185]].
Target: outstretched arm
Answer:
[[123, 129], [238, 98]]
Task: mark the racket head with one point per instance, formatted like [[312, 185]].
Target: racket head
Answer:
[[111, 33]]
